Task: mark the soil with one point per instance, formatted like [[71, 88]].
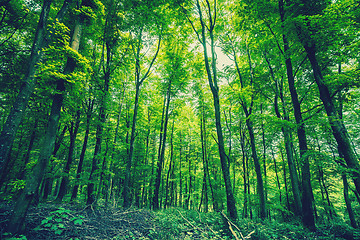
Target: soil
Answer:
[[71, 222]]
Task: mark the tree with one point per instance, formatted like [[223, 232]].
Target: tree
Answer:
[[18, 109], [34, 179], [139, 80], [207, 29], [175, 75]]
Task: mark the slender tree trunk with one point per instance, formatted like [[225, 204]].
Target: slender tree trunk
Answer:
[[91, 192], [170, 166], [104, 167], [162, 147], [277, 176], [212, 78], [83, 150], [285, 182], [31, 144], [126, 191], [348, 202], [17, 111], [50, 179], [287, 142], [204, 192], [260, 185], [146, 178], [65, 180], [307, 200], [138, 82], [180, 172]]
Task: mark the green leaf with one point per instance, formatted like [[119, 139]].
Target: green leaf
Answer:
[[59, 231], [78, 222], [48, 225], [61, 225]]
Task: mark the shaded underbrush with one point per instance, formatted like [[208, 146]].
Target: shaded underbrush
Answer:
[[69, 222]]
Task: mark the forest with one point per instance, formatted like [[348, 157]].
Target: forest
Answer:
[[179, 119]]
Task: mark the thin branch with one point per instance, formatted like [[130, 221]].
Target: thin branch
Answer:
[[272, 32], [153, 60], [300, 66], [319, 110]]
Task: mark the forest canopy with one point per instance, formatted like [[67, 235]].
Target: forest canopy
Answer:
[[248, 107]]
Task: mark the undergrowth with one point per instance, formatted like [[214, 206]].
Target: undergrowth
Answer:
[[177, 223], [66, 222]]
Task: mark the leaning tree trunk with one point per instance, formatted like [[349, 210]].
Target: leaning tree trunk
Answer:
[[17, 111], [337, 125], [307, 201], [17, 219]]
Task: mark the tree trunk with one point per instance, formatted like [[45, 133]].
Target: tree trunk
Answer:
[[65, 180], [348, 202], [248, 112], [83, 150], [91, 193], [17, 219], [287, 142], [17, 111], [162, 145], [260, 185], [337, 125], [212, 78], [170, 166], [307, 201]]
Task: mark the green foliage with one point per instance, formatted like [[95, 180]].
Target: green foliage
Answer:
[[176, 223], [9, 236], [58, 220], [15, 186]]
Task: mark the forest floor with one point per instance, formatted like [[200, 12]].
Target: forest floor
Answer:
[[69, 222]]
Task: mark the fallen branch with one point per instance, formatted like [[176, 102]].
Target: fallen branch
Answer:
[[195, 227], [231, 229]]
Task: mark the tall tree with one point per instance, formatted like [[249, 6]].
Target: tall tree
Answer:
[[139, 80], [174, 74], [17, 111], [207, 19], [34, 179], [307, 195]]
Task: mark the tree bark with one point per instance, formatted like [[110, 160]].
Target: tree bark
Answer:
[[83, 150], [17, 219], [212, 79], [12, 123], [307, 201], [65, 179]]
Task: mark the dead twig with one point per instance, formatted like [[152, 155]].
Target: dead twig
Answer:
[[231, 229], [195, 227]]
